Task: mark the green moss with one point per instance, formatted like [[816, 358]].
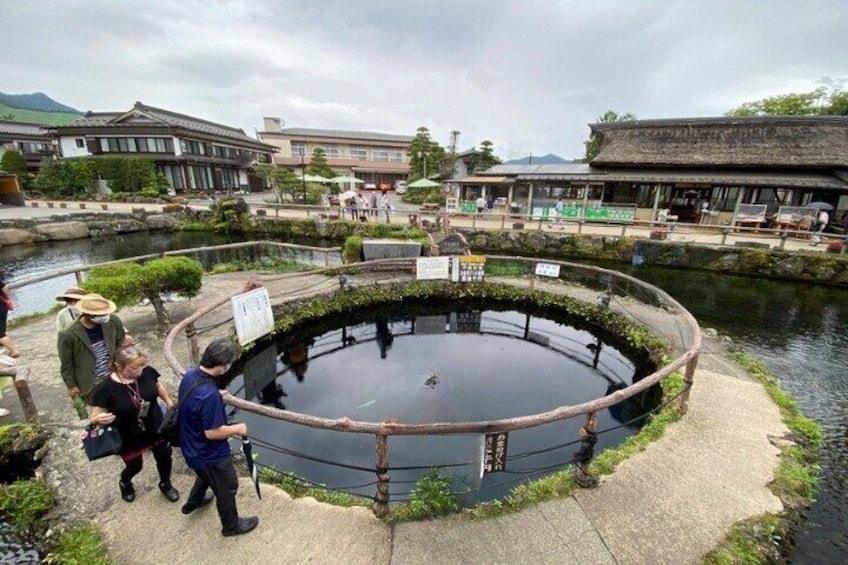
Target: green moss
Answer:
[[432, 496], [299, 488], [276, 266], [352, 250], [796, 479], [24, 502], [79, 546]]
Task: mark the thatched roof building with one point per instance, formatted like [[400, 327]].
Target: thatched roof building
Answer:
[[809, 143]]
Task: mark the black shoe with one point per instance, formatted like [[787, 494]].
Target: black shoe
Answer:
[[127, 491], [244, 525], [189, 508], [169, 492]]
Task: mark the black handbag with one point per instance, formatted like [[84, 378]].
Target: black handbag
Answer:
[[101, 442], [169, 429]]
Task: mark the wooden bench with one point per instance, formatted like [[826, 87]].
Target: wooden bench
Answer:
[[429, 208]]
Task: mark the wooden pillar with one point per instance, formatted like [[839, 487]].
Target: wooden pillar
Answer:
[[381, 497], [25, 396], [688, 380], [193, 346], [588, 439]]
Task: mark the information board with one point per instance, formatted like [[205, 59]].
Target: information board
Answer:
[[468, 268], [547, 270], [253, 315], [432, 268]]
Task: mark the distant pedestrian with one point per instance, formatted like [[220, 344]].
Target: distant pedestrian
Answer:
[[374, 210], [70, 313], [822, 219], [490, 203], [6, 304], [203, 437], [384, 205], [558, 209], [481, 204]]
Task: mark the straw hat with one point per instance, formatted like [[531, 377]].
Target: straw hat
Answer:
[[95, 305], [72, 293]]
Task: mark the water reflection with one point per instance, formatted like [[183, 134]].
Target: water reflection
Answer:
[[442, 367]]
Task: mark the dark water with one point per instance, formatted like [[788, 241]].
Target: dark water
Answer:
[[800, 333], [798, 330], [443, 367]]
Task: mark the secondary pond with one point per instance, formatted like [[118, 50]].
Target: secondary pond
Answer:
[[423, 365]]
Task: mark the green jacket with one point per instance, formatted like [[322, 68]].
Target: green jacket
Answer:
[[76, 357]]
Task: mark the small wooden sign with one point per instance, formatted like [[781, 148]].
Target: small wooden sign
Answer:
[[547, 270], [494, 452]]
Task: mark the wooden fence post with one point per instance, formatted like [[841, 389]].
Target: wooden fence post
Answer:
[[588, 439], [688, 379], [25, 396], [193, 346], [381, 498]]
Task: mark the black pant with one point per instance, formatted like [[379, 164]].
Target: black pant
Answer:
[[162, 454], [223, 481]]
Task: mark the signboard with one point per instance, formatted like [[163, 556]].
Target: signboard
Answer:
[[430, 325], [547, 270], [432, 268], [494, 453], [469, 268], [466, 322], [253, 315], [599, 214]]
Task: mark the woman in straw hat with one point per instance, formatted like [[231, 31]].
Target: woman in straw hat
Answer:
[[87, 347], [69, 314]]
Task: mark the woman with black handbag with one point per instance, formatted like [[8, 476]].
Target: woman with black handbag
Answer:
[[129, 399]]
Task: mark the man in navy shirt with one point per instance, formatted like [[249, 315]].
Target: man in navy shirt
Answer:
[[203, 438]]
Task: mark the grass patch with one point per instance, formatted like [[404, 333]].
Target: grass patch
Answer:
[[23, 320], [432, 496], [82, 545], [299, 488], [507, 268], [760, 540], [24, 502], [264, 266]]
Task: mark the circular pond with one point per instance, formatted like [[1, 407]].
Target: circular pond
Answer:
[[426, 364]]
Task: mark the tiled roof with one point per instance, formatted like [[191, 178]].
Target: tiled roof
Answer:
[[160, 117], [23, 128], [341, 134], [560, 169]]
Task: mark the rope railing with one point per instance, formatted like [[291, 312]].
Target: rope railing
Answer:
[[382, 430]]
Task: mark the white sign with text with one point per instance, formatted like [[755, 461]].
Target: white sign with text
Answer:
[[432, 268], [253, 315], [547, 270]]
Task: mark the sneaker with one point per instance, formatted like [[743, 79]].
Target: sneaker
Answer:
[[244, 525], [189, 508], [169, 492], [127, 491]]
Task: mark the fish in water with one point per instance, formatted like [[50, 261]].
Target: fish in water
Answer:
[[433, 380]]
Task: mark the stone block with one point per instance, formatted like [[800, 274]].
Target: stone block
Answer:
[[62, 231], [13, 236], [389, 249]]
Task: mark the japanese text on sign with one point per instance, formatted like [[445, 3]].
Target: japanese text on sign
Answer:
[[432, 268], [494, 452], [253, 315]]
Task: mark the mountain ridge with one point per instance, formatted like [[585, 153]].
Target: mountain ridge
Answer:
[[37, 101], [549, 159]]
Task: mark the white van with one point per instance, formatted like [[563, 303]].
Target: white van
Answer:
[[400, 186]]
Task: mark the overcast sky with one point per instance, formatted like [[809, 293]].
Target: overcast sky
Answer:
[[528, 75]]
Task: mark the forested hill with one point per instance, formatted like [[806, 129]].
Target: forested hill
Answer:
[[36, 108]]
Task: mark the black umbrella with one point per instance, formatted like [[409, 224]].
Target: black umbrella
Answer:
[[247, 448], [820, 206]]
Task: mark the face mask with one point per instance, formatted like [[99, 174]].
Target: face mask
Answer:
[[75, 313], [100, 319]]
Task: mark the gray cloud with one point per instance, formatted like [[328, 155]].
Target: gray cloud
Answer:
[[527, 75]]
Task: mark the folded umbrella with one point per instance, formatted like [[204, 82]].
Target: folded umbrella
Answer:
[[247, 449]]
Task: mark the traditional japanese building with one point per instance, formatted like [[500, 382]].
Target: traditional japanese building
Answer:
[[33, 141], [192, 153], [764, 163]]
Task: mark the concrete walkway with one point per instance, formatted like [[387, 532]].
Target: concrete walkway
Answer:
[[669, 504]]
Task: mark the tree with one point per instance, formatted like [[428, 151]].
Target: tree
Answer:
[[425, 155], [128, 283], [821, 101], [609, 116], [486, 156], [281, 180], [13, 162], [318, 165], [450, 156]]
